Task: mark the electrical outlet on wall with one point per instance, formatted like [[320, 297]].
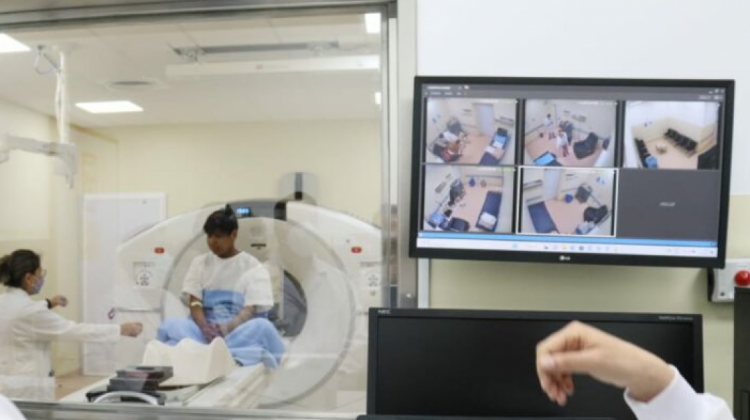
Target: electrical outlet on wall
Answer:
[[723, 281]]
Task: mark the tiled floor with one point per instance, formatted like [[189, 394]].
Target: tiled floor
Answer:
[[71, 382]]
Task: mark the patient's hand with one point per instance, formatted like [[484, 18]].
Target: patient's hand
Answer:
[[210, 332], [225, 329]]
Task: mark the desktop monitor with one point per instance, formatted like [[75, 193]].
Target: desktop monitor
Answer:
[[482, 363], [600, 171]]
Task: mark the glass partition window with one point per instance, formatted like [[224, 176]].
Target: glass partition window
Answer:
[[205, 199]]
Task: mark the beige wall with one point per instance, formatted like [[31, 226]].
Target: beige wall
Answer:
[[25, 179], [196, 165], [25, 184], [521, 286], [98, 167]]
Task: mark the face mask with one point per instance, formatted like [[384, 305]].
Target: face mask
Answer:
[[38, 286]]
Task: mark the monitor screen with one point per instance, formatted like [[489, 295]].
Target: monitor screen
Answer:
[[571, 170], [482, 363]]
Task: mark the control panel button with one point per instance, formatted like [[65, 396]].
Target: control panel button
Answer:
[[742, 278]]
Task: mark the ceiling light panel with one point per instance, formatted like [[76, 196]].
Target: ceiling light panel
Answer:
[[9, 45], [372, 23], [109, 107]]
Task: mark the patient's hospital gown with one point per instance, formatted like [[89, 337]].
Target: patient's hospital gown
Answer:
[[226, 286]]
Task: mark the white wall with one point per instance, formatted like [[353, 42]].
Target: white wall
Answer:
[[650, 120], [600, 118], [434, 176], [536, 112], [600, 39], [438, 114], [696, 113], [697, 39]]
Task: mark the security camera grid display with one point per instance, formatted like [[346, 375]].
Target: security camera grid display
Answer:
[[586, 168]]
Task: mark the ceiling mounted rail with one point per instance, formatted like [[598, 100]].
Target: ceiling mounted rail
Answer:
[[31, 13]]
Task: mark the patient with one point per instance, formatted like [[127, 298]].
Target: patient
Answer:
[[226, 289]]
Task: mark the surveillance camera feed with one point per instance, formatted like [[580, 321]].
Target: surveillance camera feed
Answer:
[[584, 170]]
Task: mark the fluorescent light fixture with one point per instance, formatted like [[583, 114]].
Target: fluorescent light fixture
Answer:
[[10, 45], [378, 98], [372, 23], [109, 107], [303, 65]]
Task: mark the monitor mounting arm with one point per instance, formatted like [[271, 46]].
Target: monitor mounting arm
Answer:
[[65, 152]]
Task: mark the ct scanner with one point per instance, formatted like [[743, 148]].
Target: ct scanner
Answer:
[[326, 267]]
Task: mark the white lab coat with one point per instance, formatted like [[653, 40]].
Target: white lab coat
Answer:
[[678, 401], [8, 411], [27, 328]]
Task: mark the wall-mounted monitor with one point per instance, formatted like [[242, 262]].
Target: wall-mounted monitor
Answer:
[[598, 171], [452, 363]]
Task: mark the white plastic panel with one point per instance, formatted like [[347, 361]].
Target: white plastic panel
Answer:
[[108, 221]]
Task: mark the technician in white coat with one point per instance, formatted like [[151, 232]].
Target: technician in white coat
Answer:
[[654, 390], [28, 327]]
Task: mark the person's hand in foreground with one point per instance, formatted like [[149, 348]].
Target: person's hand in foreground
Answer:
[[131, 329], [582, 349]]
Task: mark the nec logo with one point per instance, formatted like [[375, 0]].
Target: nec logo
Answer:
[[564, 258], [384, 311]]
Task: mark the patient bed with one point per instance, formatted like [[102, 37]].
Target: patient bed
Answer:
[[541, 219], [488, 217], [495, 151], [547, 159], [241, 388], [217, 382]]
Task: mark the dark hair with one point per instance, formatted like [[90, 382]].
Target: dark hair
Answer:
[[221, 221], [14, 267]]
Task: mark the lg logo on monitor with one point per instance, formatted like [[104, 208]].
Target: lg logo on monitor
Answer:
[[564, 258]]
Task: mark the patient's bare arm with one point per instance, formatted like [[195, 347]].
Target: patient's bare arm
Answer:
[[196, 311]]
